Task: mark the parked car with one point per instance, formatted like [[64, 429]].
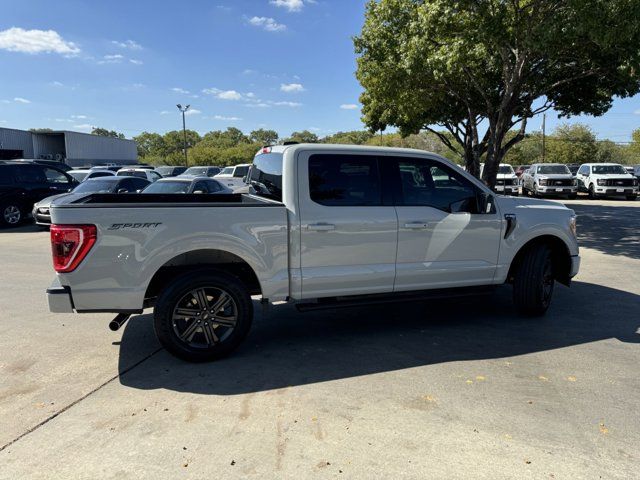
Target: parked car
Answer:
[[636, 171], [506, 179], [549, 179], [83, 174], [607, 180], [170, 171], [150, 175], [111, 184], [573, 168], [330, 226], [187, 185], [24, 183], [520, 169], [233, 177], [111, 168], [201, 171], [49, 163]]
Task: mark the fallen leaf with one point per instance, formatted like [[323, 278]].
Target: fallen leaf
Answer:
[[603, 429], [481, 378], [571, 378], [543, 378]]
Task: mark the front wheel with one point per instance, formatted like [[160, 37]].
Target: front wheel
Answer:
[[534, 281], [203, 316], [592, 192]]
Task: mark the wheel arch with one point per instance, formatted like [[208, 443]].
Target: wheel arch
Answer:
[[560, 257], [202, 260]]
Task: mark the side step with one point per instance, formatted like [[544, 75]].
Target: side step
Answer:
[[377, 299]]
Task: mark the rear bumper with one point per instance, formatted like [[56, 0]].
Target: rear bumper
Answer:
[[59, 298]]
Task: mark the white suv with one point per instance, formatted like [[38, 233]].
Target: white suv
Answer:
[[542, 179], [233, 177], [607, 180], [506, 180]]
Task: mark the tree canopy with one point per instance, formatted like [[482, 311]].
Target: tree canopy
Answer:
[[478, 68], [106, 133]]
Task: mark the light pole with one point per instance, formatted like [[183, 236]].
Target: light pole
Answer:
[[184, 131]]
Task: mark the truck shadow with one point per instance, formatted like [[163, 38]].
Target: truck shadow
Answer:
[[286, 348], [610, 229]]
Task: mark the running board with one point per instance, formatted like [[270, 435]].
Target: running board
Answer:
[[377, 299]]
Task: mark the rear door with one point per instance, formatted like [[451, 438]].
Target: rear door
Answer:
[[443, 239], [348, 228]]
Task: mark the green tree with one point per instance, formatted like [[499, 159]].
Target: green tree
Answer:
[[264, 137], [40, 130], [633, 151], [150, 144], [355, 137], [103, 132], [224, 139], [571, 144], [305, 136], [479, 68], [610, 152]]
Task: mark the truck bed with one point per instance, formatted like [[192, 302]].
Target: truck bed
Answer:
[[114, 200]]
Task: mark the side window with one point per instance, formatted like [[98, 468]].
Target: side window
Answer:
[[128, 184], [155, 175], [240, 172], [201, 186], [431, 184], [344, 180], [213, 187], [6, 175], [138, 184], [55, 176], [30, 174]]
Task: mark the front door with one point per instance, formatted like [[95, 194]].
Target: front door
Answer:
[[443, 240], [348, 227]]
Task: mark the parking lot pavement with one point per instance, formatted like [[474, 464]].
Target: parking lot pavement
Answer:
[[462, 389]]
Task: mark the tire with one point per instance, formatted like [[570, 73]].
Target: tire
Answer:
[[632, 198], [592, 192], [535, 191], [533, 283], [11, 213], [189, 293]]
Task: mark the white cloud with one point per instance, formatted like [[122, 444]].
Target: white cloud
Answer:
[[164, 112], [135, 62], [250, 95], [130, 44], [349, 106], [180, 90], [79, 117], [112, 58], [21, 100], [286, 104], [290, 5], [57, 84], [36, 41], [291, 87], [257, 105], [267, 23], [637, 112], [228, 119], [193, 111], [84, 126], [223, 94]]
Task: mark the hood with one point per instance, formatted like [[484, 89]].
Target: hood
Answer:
[[510, 204], [614, 176], [46, 202]]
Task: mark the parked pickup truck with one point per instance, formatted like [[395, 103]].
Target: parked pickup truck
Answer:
[[328, 226]]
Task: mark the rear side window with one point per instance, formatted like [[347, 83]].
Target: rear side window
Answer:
[[30, 174], [344, 180], [6, 175]]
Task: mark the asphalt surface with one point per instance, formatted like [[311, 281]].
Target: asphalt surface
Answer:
[[457, 389]]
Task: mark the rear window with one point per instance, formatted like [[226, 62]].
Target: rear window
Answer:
[[344, 180], [95, 186], [196, 171], [266, 175], [130, 173], [168, 187]]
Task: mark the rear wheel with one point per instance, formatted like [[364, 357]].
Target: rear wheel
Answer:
[[534, 281], [203, 316], [10, 213]]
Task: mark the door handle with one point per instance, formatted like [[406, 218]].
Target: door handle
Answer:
[[321, 227], [416, 225]]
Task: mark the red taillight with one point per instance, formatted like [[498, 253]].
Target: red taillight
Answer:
[[70, 244], [266, 149]]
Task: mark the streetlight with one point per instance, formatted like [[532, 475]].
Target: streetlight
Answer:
[[184, 131]]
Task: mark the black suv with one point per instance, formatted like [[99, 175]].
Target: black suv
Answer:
[[24, 183]]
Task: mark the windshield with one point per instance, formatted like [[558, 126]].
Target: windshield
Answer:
[[79, 176], [196, 171], [554, 169], [95, 186], [168, 187], [505, 169], [609, 169], [266, 175]]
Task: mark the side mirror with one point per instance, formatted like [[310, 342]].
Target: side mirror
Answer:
[[122, 190], [198, 191], [485, 202]]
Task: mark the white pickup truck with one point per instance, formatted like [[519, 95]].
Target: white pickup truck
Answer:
[[328, 226]]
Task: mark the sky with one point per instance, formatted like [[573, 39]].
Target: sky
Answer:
[[286, 65]]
